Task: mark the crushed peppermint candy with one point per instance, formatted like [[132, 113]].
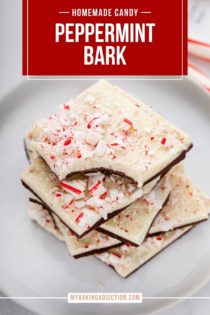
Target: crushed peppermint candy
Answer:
[[163, 141], [75, 187], [116, 254], [126, 124], [96, 193], [78, 218], [97, 120], [101, 148], [67, 141], [93, 138], [66, 107]]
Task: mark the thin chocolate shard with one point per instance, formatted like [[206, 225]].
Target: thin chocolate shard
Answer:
[[94, 242], [126, 259], [104, 128]]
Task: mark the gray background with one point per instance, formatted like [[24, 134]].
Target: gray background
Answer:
[[10, 76]]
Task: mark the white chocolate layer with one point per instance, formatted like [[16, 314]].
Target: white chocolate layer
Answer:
[[104, 127]]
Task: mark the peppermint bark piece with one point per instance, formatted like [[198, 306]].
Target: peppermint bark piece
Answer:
[[90, 244], [133, 224], [126, 259], [84, 202], [106, 129], [187, 205]]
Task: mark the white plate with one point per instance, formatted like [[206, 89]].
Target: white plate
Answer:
[[33, 263]]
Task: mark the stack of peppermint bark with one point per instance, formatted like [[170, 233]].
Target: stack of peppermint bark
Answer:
[[106, 178]]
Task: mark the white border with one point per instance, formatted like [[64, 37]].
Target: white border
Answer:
[[95, 78]]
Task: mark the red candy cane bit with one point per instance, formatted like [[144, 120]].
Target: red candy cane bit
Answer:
[[79, 155], [163, 140], [103, 196], [67, 141], [52, 157], [128, 121], [66, 107], [65, 207], [71, 188], [95, 186], [57, 195], [89, 125], [79, 217], [116, 254], [152, 138], [71, 202], [159, 238], [115, 144]]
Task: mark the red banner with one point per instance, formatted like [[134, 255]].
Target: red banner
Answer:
[[109, 37]]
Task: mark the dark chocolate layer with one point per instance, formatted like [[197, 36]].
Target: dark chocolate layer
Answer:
[[178, 227], [95, 251]]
